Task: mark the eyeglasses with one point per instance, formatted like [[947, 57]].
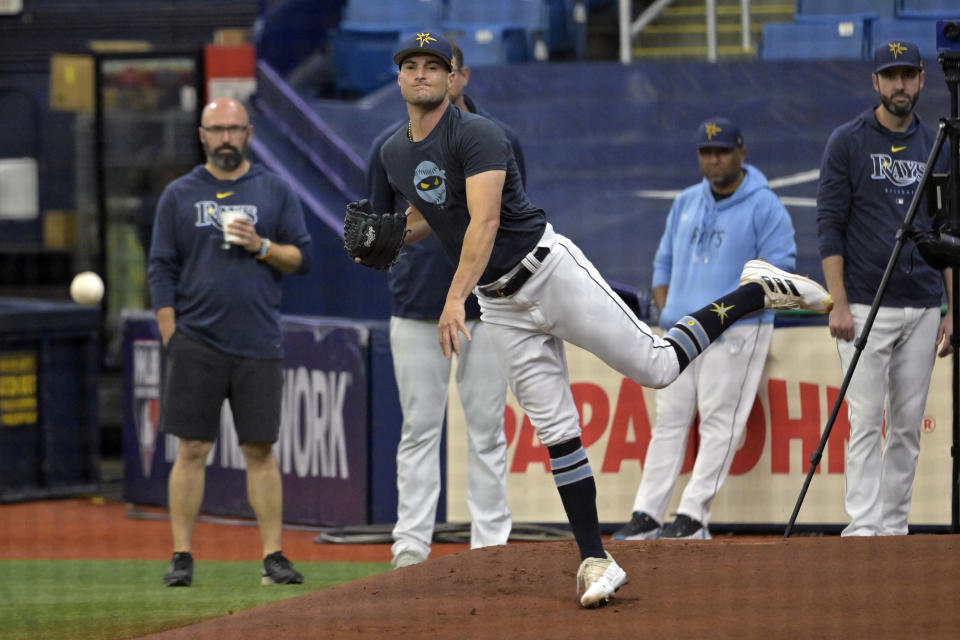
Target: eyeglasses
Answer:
[[233, 130]]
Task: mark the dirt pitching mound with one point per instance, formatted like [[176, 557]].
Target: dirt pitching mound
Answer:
[[828, 587]]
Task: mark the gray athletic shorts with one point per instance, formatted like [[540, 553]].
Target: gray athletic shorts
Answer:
[[197, 380]]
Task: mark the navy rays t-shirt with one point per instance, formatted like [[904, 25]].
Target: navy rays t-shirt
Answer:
[[431, 174]]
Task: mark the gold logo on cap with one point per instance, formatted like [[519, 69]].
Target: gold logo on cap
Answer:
[[425, 38], [897, 49], [712, 130]]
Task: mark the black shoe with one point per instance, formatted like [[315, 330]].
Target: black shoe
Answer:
[[640, 527], [180, 573], [278, 570], [685, 528]]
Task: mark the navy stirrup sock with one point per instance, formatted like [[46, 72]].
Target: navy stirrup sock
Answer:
[[578, 493], [694, 332]]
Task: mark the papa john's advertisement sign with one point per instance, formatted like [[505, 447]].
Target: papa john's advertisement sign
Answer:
[[801, 381]]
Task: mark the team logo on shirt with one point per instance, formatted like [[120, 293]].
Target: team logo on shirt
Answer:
[[431, 182], [901, 173], [210, 213]]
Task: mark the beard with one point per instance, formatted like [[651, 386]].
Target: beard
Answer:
[[226, 157], [727, 180], [899, 110]]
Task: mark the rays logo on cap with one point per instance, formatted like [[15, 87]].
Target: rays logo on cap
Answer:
[[719, 132], [897, 49], [425, 38]]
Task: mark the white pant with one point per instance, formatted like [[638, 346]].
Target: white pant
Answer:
[[896, 365], [722, 385], [566, 299], [423, 375]]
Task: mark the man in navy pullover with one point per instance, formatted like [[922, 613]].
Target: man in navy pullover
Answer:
[[870, 170], [218, 312]]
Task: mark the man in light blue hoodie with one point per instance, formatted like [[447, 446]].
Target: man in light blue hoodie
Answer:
[[713, 227]]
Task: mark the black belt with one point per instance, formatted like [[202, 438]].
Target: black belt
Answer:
[[513, 285]]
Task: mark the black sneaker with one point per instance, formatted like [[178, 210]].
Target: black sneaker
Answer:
[[180, 573], [685, 528], [278, 570], [640, 527]]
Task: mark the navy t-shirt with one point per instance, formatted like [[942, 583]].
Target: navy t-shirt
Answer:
[[431, 174], [420, 280]]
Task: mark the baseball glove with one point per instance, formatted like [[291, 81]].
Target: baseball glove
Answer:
[[376, 239]]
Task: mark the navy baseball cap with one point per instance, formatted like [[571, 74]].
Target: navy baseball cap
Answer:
[[428, 42], [896, 53], [719, 132]]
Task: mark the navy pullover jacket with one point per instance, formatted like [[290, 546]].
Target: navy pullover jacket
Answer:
[[224, 298], [868, 177]]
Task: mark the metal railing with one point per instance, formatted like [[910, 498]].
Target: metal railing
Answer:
[[629, 30]]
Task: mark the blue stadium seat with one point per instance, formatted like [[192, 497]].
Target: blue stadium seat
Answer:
[[530, 17], [928, 9], [391, 15], [524, 13], [923, 32], [481, 47], [844, 40], [868, 8], [362, 60]]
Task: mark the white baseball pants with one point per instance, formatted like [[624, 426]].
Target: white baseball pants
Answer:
[[423, 376], [895, 365], [722, 385], [566, 299]]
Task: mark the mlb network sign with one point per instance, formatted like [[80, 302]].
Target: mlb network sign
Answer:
[[322, 444]]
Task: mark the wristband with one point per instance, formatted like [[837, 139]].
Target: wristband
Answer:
[[265, 247]]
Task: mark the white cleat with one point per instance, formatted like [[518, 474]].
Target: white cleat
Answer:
[[785, 290], [407, 558], [599, 578]]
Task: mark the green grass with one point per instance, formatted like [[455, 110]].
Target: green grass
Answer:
[[110, 599]]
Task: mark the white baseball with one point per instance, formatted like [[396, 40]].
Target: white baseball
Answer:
[[86, 288]]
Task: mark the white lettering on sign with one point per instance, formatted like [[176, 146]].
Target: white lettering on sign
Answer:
[[312, 433]]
